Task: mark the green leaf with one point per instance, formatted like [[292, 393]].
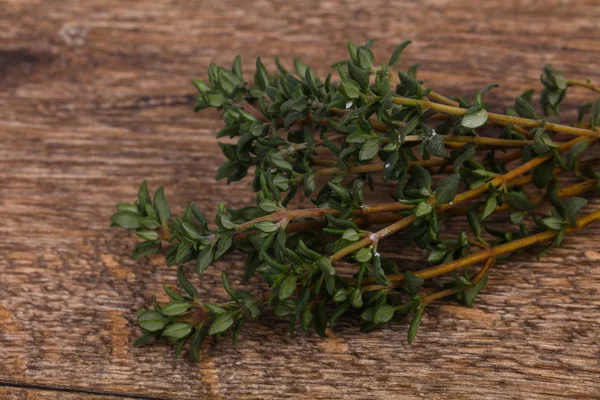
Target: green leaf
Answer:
[[250, 307], [414, 326], [358, 192], [268, 205], [436, 146], [148, 235], [384, 314], [474, 118], [411, 84], [185, 284], [162, 209], [552, 223], [490, 206], [397, 51], [236, 67], [413, 283], [221, 324], [177, 331], [143, 195], [205, 258], [151, 321], [364, 254], [197, 340], [227, 287], [423, 209], [358, 74], [356, 298], [172, 294], [369, 149], [519, 201], [266, 226], [300, 67], [474, 221], [524, 108], [126, 219], [287, 288], [351, 235], [223, 245], [142, 340], [350, 89], [573, 206], [469, 294], [175, 308], [446, 189]]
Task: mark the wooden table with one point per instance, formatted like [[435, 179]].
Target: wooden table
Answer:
[[96, 96]]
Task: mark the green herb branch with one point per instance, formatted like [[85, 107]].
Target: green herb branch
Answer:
[[466, 186]]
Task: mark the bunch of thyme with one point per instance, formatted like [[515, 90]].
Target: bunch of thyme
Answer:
[[441, 159]]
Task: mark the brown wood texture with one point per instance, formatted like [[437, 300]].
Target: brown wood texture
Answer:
[[96, 96]]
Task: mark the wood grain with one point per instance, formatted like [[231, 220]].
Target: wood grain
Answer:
[[96, 96]]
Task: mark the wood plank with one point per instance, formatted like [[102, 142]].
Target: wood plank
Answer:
[[96, 96], [29, 393]]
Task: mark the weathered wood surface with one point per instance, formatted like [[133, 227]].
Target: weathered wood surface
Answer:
[[95, 96]]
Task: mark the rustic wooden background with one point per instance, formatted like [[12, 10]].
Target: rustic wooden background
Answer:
[[96, 96]]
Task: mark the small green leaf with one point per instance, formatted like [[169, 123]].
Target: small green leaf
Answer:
[[446, 189], [162, 209], [172, 294], [142, 340], [423, 209], [369, 149], [384, 314], [268, 205], [356, 298], [151, 321], [175, 308], [227, 287], [414, 326], [266, 226], [524, 108], [573, 206], [469, 294], [126, 219], [287, 288], [413, 283], [474, 118], [223, 245], [148, 235], [221, 324], [397, 51], [350, 89], [436, 146], [364, 254], [490, 206], [185, 284], [144, 195], [177, 331], [351, 235], [300, 67], [519, 201], [552, 223], [358, 74], [205, 258]]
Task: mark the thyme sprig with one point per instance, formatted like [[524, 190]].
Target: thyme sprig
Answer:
[[442, 159]]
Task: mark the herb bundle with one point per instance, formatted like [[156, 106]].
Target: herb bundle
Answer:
[[516, 179]]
